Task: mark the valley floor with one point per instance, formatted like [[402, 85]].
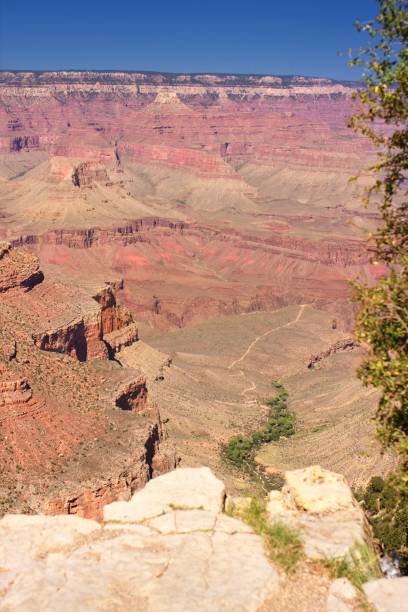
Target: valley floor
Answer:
[[222, 371]]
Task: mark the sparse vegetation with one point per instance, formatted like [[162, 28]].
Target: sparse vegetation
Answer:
[[387, 509], [359, 566], [283, 544], [240, 450], [382, 322]]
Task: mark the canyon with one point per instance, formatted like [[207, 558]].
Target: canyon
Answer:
[[77, 431], [171, 245], [238, 182]]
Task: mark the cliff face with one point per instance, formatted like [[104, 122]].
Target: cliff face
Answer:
[[202, 121], [240, 174], [79, 433], [88, 499], [96, 333], [18, 269]]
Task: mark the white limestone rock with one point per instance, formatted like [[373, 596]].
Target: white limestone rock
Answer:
[[388, 595], [342, 596], [317, 490], [182, 489], [321, 506], [195, 558]]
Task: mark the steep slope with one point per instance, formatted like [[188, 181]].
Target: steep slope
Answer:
[[76, 432]]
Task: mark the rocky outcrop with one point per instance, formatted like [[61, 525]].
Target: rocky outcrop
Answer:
[[102, 328], [80, 338], [342, 597], [79, 331], [89, 500], [18, 269], [14, 392], [121, 338], [26, 143], [170, 548], [388, 595], [132, 395], [321, 506], [87, 173], [17, 401], [114, 317], [348, 344]]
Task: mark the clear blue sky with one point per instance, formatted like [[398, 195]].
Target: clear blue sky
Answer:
[[255, 36]]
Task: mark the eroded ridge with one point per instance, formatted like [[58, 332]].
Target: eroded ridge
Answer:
[[74, 423]]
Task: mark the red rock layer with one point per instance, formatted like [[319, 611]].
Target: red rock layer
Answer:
[[73, 435], [132, 395], [89, 501], [18, 269], [205, 125], [347, 344]]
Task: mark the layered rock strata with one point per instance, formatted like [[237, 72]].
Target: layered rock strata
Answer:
[[238, 180], [82, 433], [18, 269], [97, 332]]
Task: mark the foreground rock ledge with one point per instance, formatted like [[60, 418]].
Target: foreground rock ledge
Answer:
[[170, 548], [320, 505]]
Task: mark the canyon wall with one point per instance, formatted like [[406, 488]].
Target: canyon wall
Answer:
[[77, 430], [241, 180]]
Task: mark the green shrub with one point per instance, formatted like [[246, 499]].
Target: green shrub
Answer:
[[283, 544], [359, 566], [386, 507], [382, 320], [240, 450]]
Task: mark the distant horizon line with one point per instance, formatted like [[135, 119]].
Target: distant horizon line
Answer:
[[175, 73]]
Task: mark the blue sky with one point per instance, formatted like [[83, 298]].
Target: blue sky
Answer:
[[276, 37]]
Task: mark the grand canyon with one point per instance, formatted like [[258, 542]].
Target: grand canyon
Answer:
[[171, 245]]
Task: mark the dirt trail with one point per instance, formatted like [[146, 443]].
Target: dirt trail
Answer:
[[270, 331]]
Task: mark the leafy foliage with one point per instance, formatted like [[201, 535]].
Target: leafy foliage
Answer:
[[240, 450], [387, 509], [382, 322]]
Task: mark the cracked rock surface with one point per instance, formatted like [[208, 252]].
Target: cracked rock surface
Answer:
[[170, 548]]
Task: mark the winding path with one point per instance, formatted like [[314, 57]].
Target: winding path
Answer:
[[270, 331]]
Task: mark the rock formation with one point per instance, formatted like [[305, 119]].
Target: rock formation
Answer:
[[81, 434], [86, 173], [347, 344], [132, 395], [133, 166], [321, 506], [171, 547], [386, 595], [18, 269]]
